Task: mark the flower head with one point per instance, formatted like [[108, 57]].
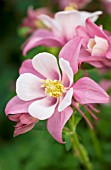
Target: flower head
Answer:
[[44, 93], [50, 90], [59, 29], [31, 21], [91, 45]]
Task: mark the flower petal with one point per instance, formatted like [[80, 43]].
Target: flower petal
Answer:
[[46, 65], [93, 29], [14, 117], [47, 20], [67, 73], [66, 101], [43, 109], [16, 106], [27, 119], [101, 46], [42, 37], [81, 31], [23, 129], [109, 54], [57, 121], [28, 87], [68, 30], [93, 16], [70, 52], [87, 91], [27, 67]]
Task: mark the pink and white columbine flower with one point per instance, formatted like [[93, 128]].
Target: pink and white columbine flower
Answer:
[[95, 47], [31, 21], [60, 29], [80, 3], [44, 93]]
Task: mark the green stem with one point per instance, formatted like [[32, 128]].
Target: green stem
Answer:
[[79, 151], [95, 141], [77, 147], [96, 144]]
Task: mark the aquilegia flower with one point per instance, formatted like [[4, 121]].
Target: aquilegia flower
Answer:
[[31, 21], [44, 93], [59, 30], [95, 47]]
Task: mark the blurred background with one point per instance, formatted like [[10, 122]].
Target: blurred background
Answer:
[[37, 150]]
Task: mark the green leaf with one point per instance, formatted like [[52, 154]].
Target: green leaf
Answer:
[[77, 119], [68, 143]]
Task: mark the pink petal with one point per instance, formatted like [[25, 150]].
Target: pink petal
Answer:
[[70, 52], [93, 29], [42, 37], [96, 64], [27, 119], [14, 117], [43, 109], [57, 121], [107, 63], [105, 84], [28, 87], [23, 129], [46, 65], [96, 61], [27, 67], [66, 101], [87, 91], [82, 31], [67, 73], [16, 106], [109, 54]]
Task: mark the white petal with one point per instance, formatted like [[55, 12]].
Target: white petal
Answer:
[[28, 87], [68, 20], [67, 73], [92, 15], [101, 46], [43, 109], [48, 21], [66, 101], [46, 64]]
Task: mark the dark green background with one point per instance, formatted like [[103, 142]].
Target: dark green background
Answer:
[[37, 150]]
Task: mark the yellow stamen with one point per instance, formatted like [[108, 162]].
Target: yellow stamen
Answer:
[[53, 88], [71, 7]]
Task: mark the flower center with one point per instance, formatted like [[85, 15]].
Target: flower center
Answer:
[[91, 44], [53, 88], [71, 7]]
